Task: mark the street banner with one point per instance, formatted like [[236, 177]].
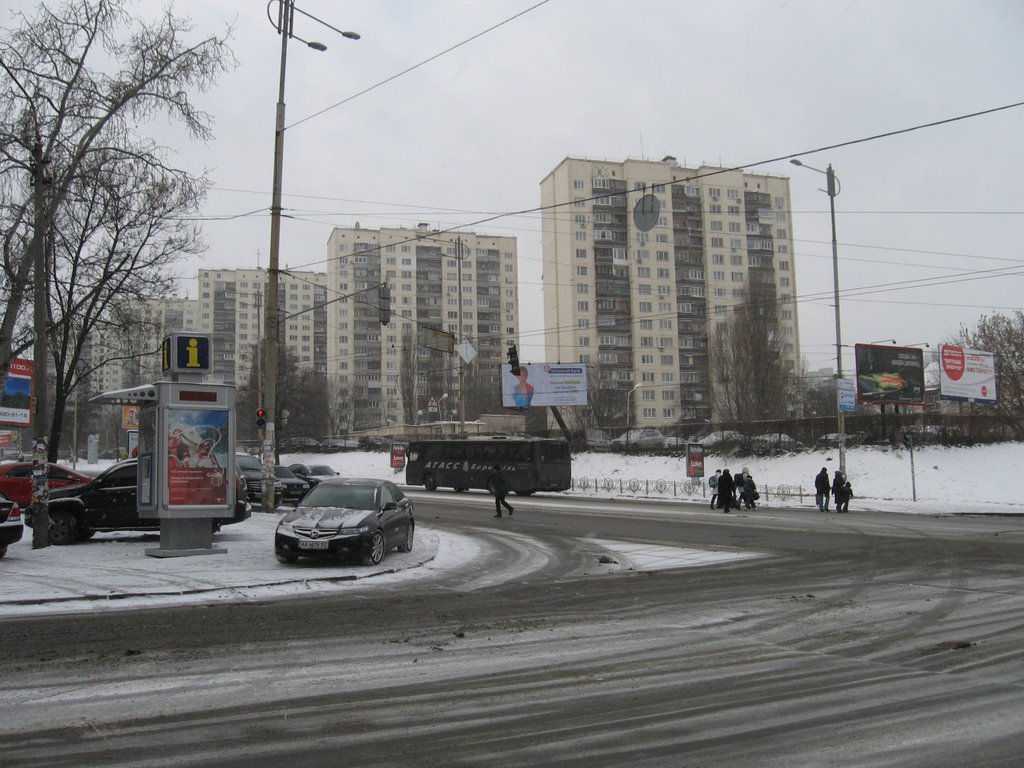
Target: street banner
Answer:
[[889, 375], [16, 400], [544, 384], [967, 375]]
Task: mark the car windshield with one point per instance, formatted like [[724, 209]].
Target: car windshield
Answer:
[[349, 496], [283, 472], [245, 461], [321, 469]]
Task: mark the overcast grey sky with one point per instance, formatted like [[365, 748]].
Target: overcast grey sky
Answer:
[[471, 134]]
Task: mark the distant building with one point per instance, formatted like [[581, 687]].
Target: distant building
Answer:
[[461, 283], [644, 262]]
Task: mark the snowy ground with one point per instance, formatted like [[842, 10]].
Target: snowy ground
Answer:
[[113, 572]]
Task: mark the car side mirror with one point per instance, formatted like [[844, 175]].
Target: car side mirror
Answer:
[[389, 506]]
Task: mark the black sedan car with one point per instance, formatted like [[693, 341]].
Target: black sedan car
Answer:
[[312, 473], [11, 526], [293, 486], [347, 518]]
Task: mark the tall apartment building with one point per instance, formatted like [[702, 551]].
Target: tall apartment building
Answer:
[[230, 308], [461, 283], [645, 262]]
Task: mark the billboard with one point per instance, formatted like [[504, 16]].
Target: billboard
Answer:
[[889, 375], [966, 375], [544, 384], [16, 400]]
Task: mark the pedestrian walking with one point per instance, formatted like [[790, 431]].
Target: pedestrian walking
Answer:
[[750, 494], [499, 487], [821, 489], [838, 481], [713, 485], [726, 489], [843, 497]]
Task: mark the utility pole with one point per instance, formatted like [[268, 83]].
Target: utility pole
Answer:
[[40, 453]]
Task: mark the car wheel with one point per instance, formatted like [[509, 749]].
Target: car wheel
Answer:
[[406, 545], [430, 483], [63, 528], [290, 559], [3, 550], [376, 552]]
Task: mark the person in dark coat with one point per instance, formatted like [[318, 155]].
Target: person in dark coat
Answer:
[[749, 494], [822, 487], [499, 487], [726, 490], [843, 498], [838, 481]]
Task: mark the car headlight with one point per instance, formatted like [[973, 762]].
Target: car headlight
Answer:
[[353, 531]]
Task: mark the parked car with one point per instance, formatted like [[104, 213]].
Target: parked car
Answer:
[[347, 518], [294, 487], [11, 525], [16, 480], [252, 470], [597, 440], [646, 439], [109, 503], [774, 442], [312, 473]]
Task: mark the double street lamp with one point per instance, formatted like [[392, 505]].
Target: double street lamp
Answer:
[[285, 22], [832, 190]]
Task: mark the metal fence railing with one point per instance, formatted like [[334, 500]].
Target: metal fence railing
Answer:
[[676, 489]]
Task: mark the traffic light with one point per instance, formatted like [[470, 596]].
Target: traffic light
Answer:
[[513, 359], [385, 304], [261, 417]]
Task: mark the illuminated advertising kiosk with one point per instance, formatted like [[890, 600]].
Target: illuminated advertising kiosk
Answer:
[[186, 449]]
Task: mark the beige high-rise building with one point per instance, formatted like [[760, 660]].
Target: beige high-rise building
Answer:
[[459, 283], [645, 262], [230, 308]]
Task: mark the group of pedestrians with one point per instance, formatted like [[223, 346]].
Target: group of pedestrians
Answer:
[[838, 488], [728, 491]]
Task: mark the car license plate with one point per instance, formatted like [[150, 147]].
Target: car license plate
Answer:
[[313, 544]]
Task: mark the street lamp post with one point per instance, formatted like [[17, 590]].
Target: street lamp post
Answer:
[[833, 190], [629, 415], [284, 25]]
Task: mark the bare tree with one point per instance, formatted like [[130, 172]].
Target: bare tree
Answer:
[[77, 85], [1003, 336], [752, 381], [114, 240]]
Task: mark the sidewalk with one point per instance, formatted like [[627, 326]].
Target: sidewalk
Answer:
[[112, 570]]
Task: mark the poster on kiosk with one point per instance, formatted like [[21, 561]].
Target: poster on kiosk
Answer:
[[186, 464]]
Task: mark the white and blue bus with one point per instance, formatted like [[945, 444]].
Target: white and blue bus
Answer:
[[529, 464]]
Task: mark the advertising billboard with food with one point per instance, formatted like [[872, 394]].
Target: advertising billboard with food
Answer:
[[889, 375], [967, 375]]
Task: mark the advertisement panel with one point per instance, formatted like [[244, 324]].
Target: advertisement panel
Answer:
[[16, 401], [967, 375], [197, 461], [544, 384], [694, 460], [889, 375]]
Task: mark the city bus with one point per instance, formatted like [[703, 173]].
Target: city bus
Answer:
[[528, 464]]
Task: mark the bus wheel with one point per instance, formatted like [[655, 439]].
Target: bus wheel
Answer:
[[460, 490], [524, 493], [430, 482]]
